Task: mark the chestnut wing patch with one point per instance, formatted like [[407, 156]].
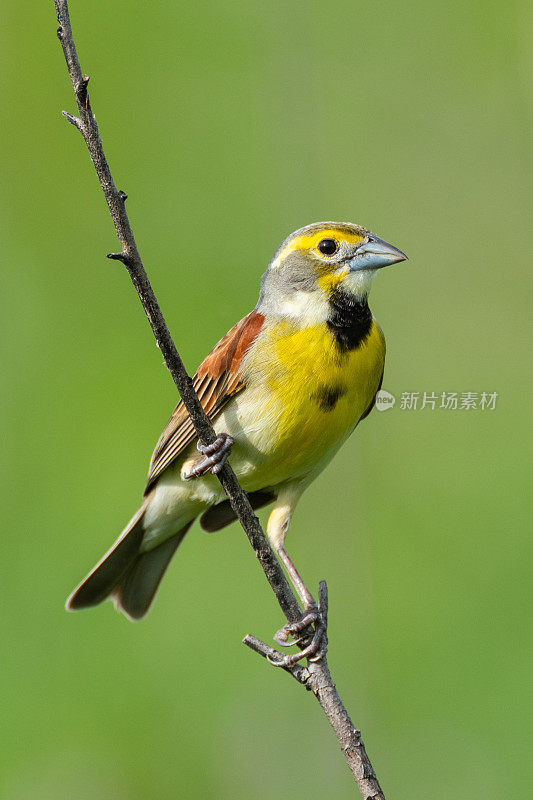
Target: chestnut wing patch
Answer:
[[218, 378]]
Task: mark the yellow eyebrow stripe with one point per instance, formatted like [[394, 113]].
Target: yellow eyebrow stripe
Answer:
[[310, 241]]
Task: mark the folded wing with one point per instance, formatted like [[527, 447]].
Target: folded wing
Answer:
[[218, 378]]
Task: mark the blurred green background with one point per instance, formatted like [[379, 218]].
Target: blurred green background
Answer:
[[230, 125]]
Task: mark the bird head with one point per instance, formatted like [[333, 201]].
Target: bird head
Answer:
[[314, 262]]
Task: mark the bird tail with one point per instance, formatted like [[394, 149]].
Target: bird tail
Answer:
[[125, 575], [136, 589]]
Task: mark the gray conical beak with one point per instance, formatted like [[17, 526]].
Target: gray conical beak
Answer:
[[376, 253]]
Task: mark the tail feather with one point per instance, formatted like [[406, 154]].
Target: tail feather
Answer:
[[134, 593], [103, 578], [125, 575]]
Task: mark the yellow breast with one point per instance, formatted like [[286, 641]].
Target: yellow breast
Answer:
[[312, 394]]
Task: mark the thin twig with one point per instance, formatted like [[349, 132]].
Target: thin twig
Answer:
[[298, 671], [316, 675]]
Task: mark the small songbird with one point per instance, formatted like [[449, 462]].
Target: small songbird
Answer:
[[284, 389]]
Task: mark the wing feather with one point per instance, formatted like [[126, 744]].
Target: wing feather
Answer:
[[216, 380]]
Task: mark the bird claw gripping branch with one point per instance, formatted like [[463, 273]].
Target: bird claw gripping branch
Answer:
[[214, 456], [316, 646]]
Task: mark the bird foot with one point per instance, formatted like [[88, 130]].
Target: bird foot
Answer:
[[315, 646], [214, 457]]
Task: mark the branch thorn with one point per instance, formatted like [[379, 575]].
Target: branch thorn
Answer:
[[122, 196], [76, 121], [60, 33], [118, 257]]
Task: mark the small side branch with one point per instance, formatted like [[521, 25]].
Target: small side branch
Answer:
[[315, 676], [297, 671]]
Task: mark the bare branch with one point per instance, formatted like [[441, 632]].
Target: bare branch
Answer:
[[132, 260], [316, 675]]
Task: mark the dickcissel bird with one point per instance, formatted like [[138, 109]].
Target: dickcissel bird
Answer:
[[284, 389]]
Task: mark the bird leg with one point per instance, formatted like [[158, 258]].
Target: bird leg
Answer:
[[313, 642], [214, 457], [312, 615]]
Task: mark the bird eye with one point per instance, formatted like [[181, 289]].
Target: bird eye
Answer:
[[328, 247]]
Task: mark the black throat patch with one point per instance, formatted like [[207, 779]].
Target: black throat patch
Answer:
[[350, 319]]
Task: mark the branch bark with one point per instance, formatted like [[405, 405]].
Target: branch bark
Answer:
[[315, 676]]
